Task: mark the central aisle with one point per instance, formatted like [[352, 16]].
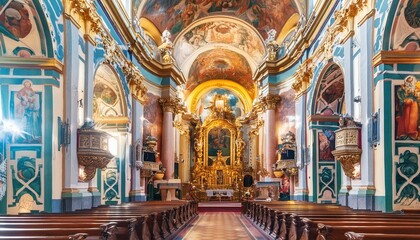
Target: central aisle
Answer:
[[220, 225]]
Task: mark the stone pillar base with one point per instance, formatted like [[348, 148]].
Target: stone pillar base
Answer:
[[362, 198], [137, 196], [72, 201], [300, 195]]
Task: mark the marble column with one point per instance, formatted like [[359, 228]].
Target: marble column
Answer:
[[168, 136], [270, 142], [72, 198]]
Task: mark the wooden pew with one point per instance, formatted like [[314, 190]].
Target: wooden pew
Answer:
[[158, 220]]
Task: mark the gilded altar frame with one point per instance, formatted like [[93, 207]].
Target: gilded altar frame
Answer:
[[222, 124], [219, 175]]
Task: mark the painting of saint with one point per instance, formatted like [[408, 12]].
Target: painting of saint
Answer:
[[219, 139], [26, 109], [407, 109], [21, 32], [326, 141]]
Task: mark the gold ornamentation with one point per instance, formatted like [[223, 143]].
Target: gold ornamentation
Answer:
[[135, 81], [170, 104], [255, 131], [349, 162], [84, 16], [267, 102], [303, 77], [218, 175], [180, 126]]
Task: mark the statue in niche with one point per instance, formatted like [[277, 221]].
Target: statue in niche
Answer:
[[219, 177]]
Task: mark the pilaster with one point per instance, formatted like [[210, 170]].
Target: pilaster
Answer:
[[70, 194], [362, 194]]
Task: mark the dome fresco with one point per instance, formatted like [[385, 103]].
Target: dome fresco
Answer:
[[220, 64], [175, 15], [215, 31]]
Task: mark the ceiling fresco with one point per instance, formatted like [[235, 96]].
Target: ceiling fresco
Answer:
[[176, 15], [220, 64], [219, 31]]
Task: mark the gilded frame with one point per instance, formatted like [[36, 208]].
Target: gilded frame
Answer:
[[224, 124]]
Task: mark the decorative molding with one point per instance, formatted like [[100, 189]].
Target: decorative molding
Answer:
[[303, 77], [268, 102], [32, 62], [85, 13], [135, 81], [139, 45], [396, 57], [172, 104]]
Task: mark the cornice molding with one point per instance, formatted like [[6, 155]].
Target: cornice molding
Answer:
[[395, 57], [91, 25], [32, 62]]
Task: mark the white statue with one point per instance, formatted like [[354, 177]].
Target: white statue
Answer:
[[271, 36], [166, 37]]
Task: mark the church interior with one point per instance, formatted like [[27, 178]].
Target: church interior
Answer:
[[169, 104]]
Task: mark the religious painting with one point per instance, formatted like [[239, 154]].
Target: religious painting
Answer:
[[326, 144], [176, 15], [407, 97], [406, 29], [221, 64], [26, 110], [219, 138], [330, 95], [108, 98], [203, 107], [21, 32], [286, 112], [153, 119], [217, 31]]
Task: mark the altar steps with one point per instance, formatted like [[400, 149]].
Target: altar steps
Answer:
[[219, 207]]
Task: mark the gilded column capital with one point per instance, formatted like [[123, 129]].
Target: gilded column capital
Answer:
[[135, 81], [270, 101], [303, 77], [171, 104], [84, 16], [263, 103]]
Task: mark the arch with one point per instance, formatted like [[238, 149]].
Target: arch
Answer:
[[207, 86], [289, 26], [151, 30], [109, 102], [404, 28], [328, 97], [386, 16]]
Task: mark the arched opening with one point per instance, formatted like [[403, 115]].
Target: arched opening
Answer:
[[328, 104], [110, 114]]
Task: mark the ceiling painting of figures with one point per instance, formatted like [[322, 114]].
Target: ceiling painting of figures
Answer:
[[220, 64], [176, 15], [215, 31], [203, 106]]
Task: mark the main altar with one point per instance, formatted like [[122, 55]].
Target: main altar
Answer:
[[218, 146]]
